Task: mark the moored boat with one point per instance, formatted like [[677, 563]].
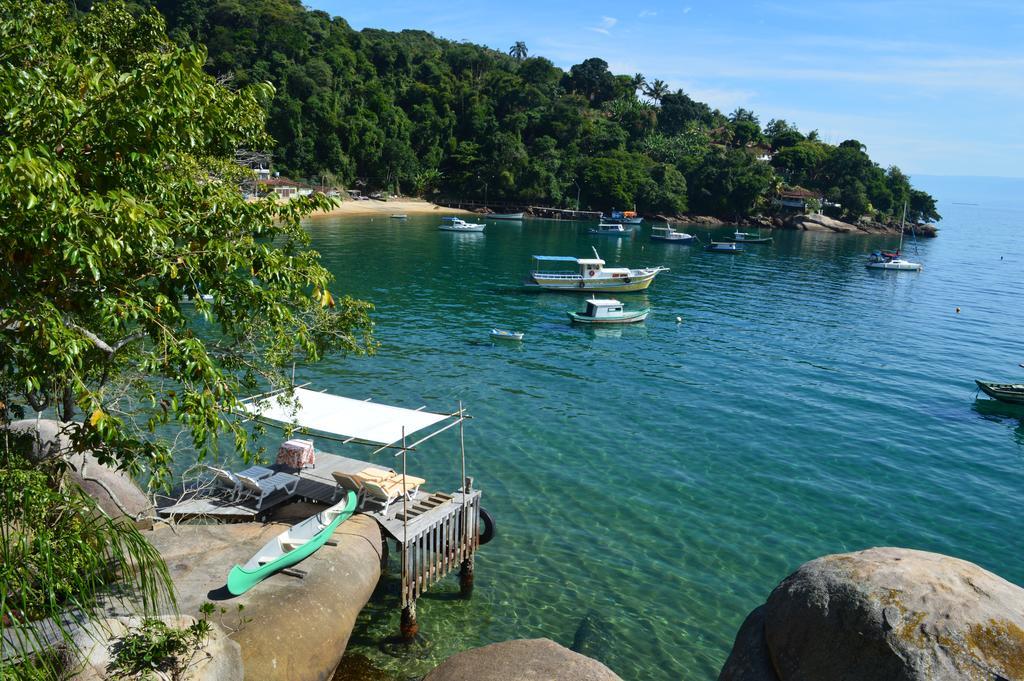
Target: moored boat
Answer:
[[666, 233], [1004, 392], [724, 247], [626, 217], [610, 229], [460, 225], [399, 216], [505, 216], [880, 260], [590, 274], [293, 545], [748, 238], [608, 311], [889, 260], [501, 334]]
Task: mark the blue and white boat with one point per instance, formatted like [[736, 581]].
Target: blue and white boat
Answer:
[[453, 224]]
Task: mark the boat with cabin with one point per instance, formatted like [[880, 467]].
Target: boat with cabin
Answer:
[[1012, 393], [590, 274], [608, 311], [293, 545], [729, 247], [453, 224], [626, 217], [610, 229], [505, 216], [748, 238], [666, 233]]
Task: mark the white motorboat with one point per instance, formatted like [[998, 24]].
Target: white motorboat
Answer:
[[666, 233], [610, 229], [608, 311], [460, 225]]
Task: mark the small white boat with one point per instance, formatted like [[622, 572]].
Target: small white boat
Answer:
[[724, 247], [505, 216], [610, 229], [399, 216], [666, 233], [608, 311], [748, 238], [460, 225], [885, 261], [501, 334]]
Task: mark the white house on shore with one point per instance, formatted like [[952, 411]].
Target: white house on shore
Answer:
[[286, 188]]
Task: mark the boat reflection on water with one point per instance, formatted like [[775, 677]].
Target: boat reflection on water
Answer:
[[1002, 413]]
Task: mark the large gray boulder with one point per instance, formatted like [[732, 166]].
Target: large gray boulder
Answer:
[[218, 659], [820, 223], [537, 659], [888, 614], [291, 628], [115, 491]]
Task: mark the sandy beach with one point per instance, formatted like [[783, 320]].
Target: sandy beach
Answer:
[[406, 206]]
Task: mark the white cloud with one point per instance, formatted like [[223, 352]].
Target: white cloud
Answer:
[[607, 23], [647, 13], [686, 10]]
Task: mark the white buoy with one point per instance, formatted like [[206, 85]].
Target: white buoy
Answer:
[[679, 320]]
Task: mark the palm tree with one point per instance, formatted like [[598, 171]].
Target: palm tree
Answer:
[[656, 90], [639, 82], [518, 51]]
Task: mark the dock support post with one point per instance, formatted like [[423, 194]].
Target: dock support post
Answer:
[[466, 578], [409, 627]]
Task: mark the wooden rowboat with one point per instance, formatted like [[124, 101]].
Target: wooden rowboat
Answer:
[[293, 545], [1004, 392]]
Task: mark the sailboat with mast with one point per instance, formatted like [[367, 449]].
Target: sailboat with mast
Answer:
[[888, 260]]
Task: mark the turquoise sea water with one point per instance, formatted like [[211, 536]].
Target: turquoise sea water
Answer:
[[654, 482]]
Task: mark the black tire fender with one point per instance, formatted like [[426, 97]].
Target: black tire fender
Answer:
[[488, 531]]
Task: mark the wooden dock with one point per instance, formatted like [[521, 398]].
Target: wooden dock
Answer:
[[428, 530]]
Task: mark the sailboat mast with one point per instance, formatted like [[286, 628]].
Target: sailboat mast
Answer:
[[903, 222]]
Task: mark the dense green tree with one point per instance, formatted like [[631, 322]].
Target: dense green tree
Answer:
[[390, 109], [119, 196]]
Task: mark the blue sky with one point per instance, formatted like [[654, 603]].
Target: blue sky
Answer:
[[933, 87]]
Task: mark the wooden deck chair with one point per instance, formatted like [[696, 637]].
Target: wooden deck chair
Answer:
[[350, 482], [258, 490], [390, 489]]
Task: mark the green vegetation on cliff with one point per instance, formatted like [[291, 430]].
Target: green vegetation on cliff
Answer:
[[420, 114]]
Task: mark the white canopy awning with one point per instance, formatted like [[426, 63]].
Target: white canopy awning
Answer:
[[368, 422]]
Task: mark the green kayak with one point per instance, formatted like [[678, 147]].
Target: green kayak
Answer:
[[293, 545]]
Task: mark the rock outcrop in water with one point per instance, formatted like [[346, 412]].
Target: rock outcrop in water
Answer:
[[885, 614], [521, 660]]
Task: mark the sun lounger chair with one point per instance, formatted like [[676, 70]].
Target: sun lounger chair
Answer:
[[258, 490], [389, 488], [229, 481], [350, 482]]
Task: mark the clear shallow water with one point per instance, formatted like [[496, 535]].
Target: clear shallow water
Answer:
[[659, 480]]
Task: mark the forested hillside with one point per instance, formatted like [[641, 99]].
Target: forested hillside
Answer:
[[418, 114]]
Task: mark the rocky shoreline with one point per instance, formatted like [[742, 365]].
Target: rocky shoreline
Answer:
[[806, 223]]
